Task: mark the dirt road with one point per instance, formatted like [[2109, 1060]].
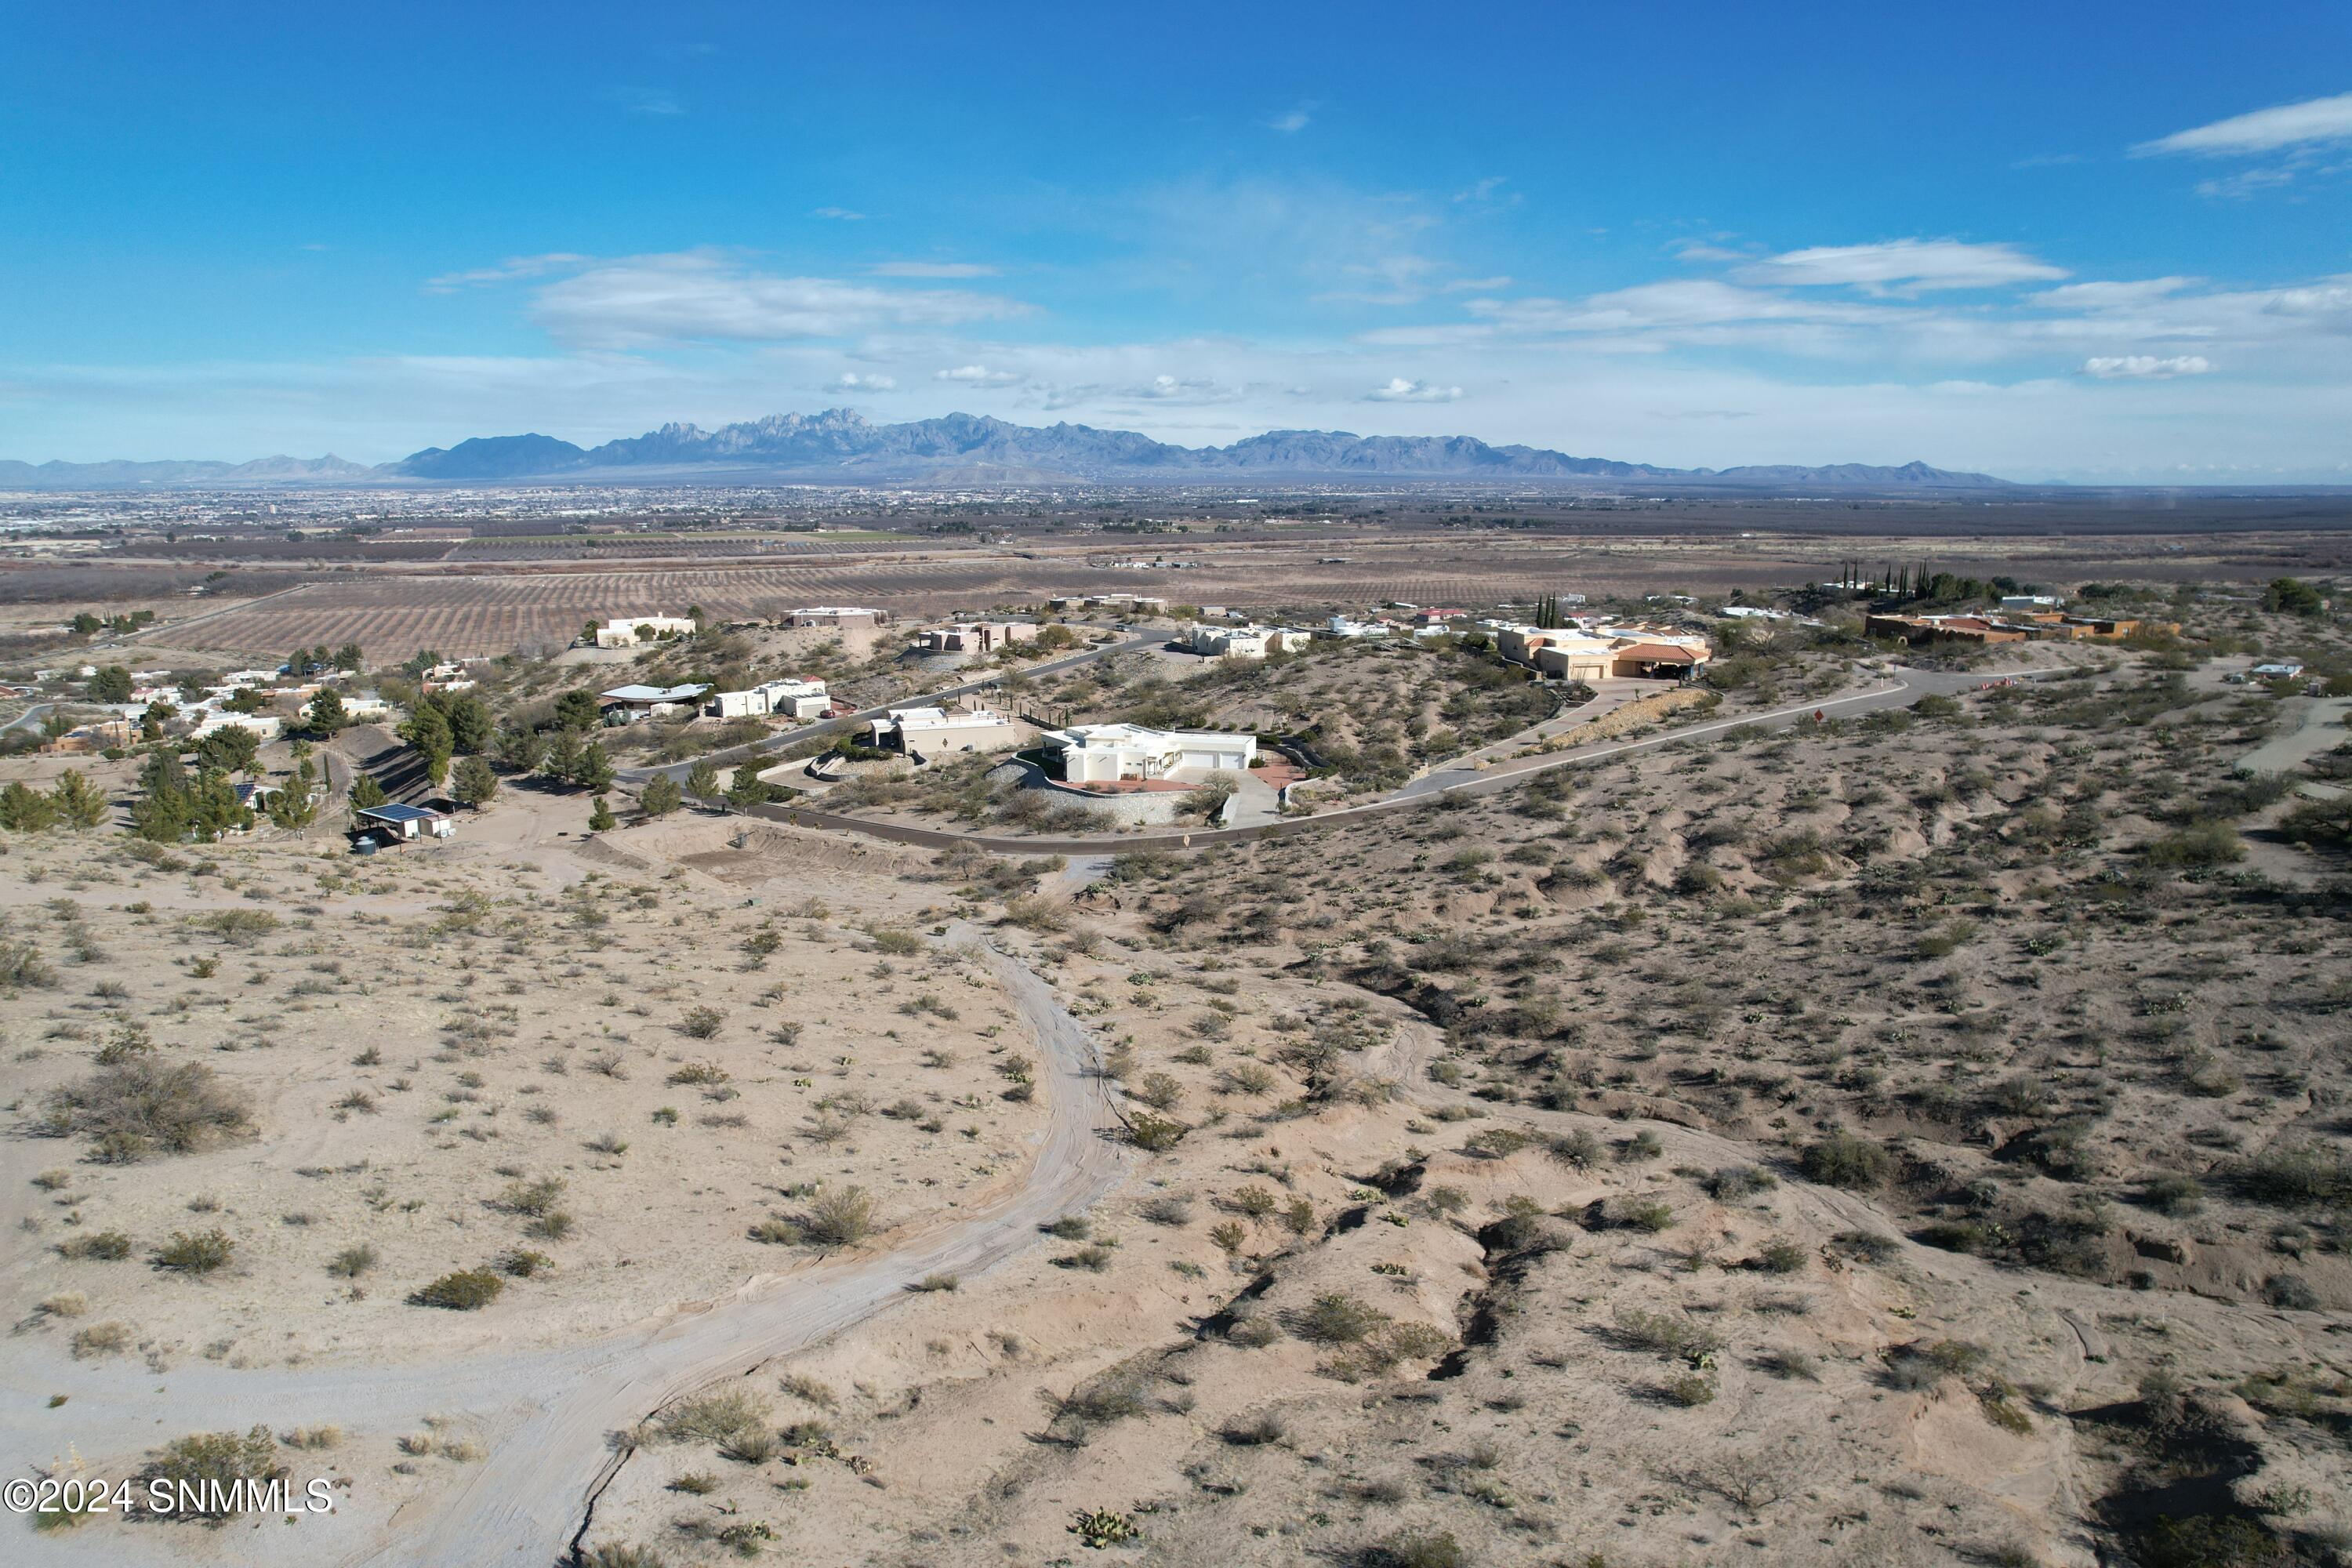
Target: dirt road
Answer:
[[547, 1417]]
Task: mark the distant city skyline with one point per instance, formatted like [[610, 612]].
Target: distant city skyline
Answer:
[[2111, 244]]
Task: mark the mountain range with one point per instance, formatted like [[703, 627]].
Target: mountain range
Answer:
[[841, 446]]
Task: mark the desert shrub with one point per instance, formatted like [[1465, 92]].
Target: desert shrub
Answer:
[[142, 1106], [2210, 1540], [931, 1282], [1689, 1389], [1843, 1160], [531, 1198], [1651, 1215], [1155, 1133], [197, 1473], [1781, 1256], [1167, 1209], [22, 967], [613, 1555], [707, 1418], [102, 1339], [2198, 845], [2178, 1195], [2290, 1291], [1667, 1334], [103, 1246], [1335, 1318], [1732, 1183], [2295, 1175], [199, 1252], [466, 1290], [1254, 1431], [1579, 1149], [1436, 1551], [841, 1217]]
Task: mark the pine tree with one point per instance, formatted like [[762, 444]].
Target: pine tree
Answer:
[[746, 789], [601, 819], [366, 794], [477, 783], [595, 771], [660, 797], [79, 803], [702, 779]]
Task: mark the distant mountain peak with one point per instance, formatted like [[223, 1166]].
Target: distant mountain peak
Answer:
[[842, 446]]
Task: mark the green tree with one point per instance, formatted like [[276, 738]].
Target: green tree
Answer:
[[326, 713], [517, 751], [702, 779], [477, 783], [213, 806], [79, 803], [366, 793], [348, 658], [159, 713], [85, 624], [595, 771], [112, 684], [25, 809], [559, 759], [232, 749], [578, 710], [292, 808], [428, 731], [602, 820], [746, 789], [2293, 595], [661, 795]]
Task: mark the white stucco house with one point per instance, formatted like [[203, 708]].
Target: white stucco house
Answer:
[[628, 631], [1103, 754], [785, 698], [1244, 642], [926, 731]]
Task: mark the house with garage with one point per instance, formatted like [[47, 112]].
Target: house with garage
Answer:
[[627, 704], [783, 699], [1107, 753]]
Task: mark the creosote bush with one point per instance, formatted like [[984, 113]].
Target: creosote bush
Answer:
[[467, 1290], [139, 1106]]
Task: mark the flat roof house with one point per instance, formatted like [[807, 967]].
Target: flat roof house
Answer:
[[789, 698], [626, 704], [927, 731], [976, 637], [1105, 754], [841, 618], [628, 631], [398, 823], [1244, 642]]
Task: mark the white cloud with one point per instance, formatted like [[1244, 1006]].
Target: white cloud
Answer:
[[1292, 121], [2110, 296], [838, 214], [977, 376], [2311, 123], [2145, 367], [1399, 390], [1904, 266], [512, 268], [930, 270], [707, 295], [1475, 285], [852, 382], [2244, 183], [651, 102]]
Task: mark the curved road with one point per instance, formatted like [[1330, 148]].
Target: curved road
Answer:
[[546, 1416], [1908, 686]]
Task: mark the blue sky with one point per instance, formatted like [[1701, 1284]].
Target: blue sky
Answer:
[[2091, 242]]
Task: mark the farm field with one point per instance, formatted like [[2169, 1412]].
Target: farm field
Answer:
[[465, 612]]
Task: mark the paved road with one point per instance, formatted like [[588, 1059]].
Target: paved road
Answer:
[[786, 739], [545, 1415], [1899, 689]]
